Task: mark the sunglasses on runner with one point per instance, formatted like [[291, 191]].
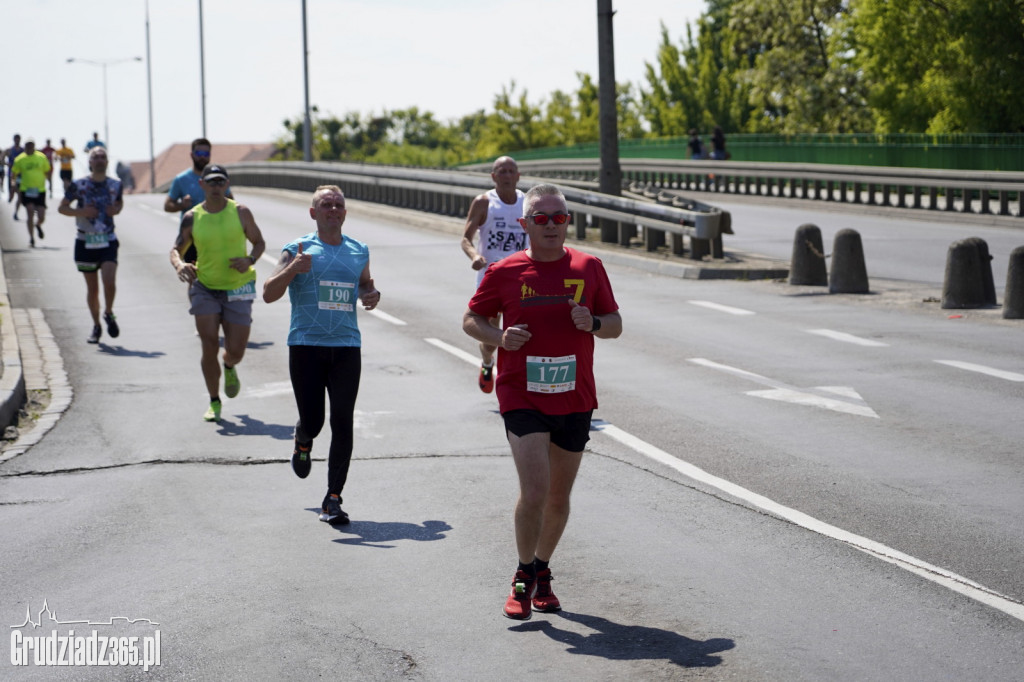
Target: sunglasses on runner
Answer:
[[557, 218], [216, 182], [202, 153]]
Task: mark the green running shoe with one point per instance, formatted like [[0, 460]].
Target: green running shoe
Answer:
[[231, 383], [213, 414]]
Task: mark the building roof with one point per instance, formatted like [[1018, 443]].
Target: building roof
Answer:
[[178, 157]]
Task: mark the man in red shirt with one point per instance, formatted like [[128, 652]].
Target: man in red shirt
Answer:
[[553, 301]]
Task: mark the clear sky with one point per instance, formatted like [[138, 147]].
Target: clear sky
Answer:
[[446, 56]]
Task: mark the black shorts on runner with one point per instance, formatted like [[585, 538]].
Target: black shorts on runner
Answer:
[[65, 175], [38, 200], [89, 260], [568, 431]]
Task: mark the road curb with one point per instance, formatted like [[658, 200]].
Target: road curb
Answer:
[[12, 379]]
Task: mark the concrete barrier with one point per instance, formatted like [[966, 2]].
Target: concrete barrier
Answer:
[[1013, 297], [988, 284], [962, 286], [808, 263], [849, 274]]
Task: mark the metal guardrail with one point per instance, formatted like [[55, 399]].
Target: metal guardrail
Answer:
[[623, 220], [970, 192]]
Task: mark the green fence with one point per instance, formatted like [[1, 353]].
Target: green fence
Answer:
[[968, 151]]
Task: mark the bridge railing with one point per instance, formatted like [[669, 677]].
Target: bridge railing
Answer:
[[969, 192], [628, 221]]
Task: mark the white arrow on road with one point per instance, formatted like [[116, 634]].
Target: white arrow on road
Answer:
[[847, 402]]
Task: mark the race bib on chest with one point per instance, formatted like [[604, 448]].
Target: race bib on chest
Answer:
[[336, 295], [550, 375], [96, 241], [246, 292]]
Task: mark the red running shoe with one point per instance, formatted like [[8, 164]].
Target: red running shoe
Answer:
[[545, 600], [517, 606], [486, 378]]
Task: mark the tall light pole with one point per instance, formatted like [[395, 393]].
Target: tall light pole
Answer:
[[149, 88], [610, 178], [104, 64], [202, 67], [307, 132]]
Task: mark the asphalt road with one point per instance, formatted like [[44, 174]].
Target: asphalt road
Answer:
[[784, 485]]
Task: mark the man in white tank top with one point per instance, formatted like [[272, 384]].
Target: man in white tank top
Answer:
[[495, 215]]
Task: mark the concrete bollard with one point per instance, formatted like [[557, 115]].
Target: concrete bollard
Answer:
[[962, 286], [808, 263], [1013, 297], [988, 285], [848, 275]]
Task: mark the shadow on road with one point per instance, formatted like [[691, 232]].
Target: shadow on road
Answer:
[[619, 642], [123, 352], [377, 534], [247, 426]]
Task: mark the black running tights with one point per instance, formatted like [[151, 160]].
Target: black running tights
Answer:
[[315, 369]]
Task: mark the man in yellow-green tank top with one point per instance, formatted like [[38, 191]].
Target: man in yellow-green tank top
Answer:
[[222, 281]]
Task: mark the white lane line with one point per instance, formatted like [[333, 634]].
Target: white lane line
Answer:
[[722, 308], [738, 372], [847, 338], [982, 369], [457, 352], [938, 575], [380, 314]]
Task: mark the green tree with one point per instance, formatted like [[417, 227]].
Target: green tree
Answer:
[[514, 124], [942, 66], [801, 78], [671, 105]]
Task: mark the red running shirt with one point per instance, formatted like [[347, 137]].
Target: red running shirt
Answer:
[[554, 371]]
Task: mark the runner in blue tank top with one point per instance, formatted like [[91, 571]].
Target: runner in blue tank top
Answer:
[[324, 273]]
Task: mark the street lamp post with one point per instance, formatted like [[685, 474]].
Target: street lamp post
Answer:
[[104, 64]]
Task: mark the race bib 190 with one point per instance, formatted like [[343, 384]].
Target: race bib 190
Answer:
[[336, 296]]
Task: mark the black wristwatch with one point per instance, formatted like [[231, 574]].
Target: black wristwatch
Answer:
[[595, 325]]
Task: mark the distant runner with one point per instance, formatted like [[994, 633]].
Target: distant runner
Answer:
[[495, 215], [31, 169], [99, 199]]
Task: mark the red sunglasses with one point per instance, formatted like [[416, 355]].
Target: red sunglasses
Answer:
[[557, 218]]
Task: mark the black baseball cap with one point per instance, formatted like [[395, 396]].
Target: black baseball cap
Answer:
[[214, 171]]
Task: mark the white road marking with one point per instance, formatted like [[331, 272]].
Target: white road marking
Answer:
[[270, 390], [787, 395], [457, 352], [722, 308], [380, 314], [938, 575], [847, 338], [852, 403], [982, 369]]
